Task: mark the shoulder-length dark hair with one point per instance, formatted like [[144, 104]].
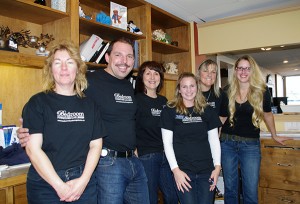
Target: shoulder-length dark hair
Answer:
[[152, 65]]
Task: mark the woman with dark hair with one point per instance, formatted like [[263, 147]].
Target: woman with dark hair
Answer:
[[150, 148]]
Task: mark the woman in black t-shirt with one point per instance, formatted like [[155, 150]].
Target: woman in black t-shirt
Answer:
[[209, 84], [191, 142], [249, 102], [66, 131], [149, 82]]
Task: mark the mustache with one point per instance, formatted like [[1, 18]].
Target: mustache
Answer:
[[126, 65]]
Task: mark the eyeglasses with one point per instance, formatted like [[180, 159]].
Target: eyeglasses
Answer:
[[247, 69]]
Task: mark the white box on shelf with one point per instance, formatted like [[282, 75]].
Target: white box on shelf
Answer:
[[89, 47], [59, 5]]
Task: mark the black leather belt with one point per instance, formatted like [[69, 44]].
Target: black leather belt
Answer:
[[113, 153], [225, 136]]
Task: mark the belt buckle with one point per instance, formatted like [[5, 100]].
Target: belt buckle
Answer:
[[104, 152]]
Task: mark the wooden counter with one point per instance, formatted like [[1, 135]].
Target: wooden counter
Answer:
[[13, 185]]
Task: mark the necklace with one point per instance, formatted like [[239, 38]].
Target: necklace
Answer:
[[243, 100], [208, 95], [190, 114]]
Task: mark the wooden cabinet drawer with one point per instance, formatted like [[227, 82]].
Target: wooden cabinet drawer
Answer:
[[280, 168], [275, 196]]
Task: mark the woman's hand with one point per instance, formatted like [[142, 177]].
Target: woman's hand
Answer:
[[281, 139], [182, 180], [77, 187], [214, 177], [63, 191]]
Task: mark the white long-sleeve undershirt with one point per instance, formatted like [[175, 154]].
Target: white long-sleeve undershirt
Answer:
[[213, 138]]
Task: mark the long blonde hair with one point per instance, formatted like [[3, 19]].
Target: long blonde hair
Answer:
[[80, 80], [199, 103], [255, 92]]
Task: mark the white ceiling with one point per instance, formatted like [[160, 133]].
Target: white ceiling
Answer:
[[201, 11]]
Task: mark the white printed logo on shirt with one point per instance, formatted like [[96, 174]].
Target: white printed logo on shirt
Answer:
[[122, 99], [187, 119], [155, 112], [212, 104], [64, 116], [193, 119]]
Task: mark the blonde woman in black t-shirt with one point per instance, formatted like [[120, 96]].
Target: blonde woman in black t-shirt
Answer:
[[191, 142], [66, 131], [249, 102]]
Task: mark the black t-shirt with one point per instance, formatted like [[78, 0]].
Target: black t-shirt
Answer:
[[243, 126], [116, 100], [190, 138], [68, 124], [148, 131], [214, 101]]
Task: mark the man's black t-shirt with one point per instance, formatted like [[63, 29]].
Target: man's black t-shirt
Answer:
[[115, 98]]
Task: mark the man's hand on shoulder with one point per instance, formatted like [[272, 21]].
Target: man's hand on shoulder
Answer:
[[23, 134]]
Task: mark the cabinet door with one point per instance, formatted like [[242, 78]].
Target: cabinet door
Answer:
[[2, 195], [20, 196]]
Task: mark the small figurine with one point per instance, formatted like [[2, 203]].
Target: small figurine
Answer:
[[131, 27], [81, 13], [116, 17]]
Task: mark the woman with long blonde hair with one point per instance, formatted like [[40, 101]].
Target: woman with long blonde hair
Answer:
[[249, 102]]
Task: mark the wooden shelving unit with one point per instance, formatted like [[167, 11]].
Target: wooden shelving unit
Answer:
[[26, 15]]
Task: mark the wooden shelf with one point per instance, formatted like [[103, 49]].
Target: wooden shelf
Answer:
[[92, 66], [164, 48], [165, 20], [171, 77], [107, 32], [106, 3], [29, 11], [21, 59]]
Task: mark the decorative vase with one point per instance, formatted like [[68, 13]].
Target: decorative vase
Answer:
[[41, 51]]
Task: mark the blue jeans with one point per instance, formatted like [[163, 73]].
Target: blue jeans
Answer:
[[199, 193], [160, 177], [247, 156], [121, 180], [40, 192]]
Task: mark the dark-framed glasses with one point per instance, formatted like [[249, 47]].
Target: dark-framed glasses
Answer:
[[247, 69]]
